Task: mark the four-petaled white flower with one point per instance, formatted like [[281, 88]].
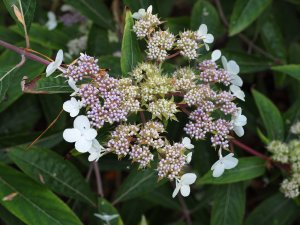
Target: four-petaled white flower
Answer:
[[72, 106], [237, 92], [187, 143], [188, 158], [238, 120], [96, 151], [227, 162], [56, 64], [142, 12], [106, 218], [52, 22], [82, 134], [183, 184], [206, 38], [215, 55], [233, 69]]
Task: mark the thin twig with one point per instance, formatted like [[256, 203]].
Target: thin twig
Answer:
[[142, 115], [173, 55], [89, 173], [185, 210], [98, 179]]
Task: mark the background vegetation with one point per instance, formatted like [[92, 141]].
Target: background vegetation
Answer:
[[46, 184]]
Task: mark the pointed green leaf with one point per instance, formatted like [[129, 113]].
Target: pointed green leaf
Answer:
[[107, 209], [31, 202], [292, 70], [52, 170]]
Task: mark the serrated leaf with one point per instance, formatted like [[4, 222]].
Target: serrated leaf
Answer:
[[205, 13], [28, 8], [94, 10], [32, 203], [229, 204], [137, 184], [131, 53], [247, 168], [244, 13], [270, 116], [292, 70], [276, 210], [107, 209], [52, 170]]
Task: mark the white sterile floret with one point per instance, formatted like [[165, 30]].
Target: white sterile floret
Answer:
[[82, 134], [238, 120], [96, 151], [106, 218], [72, 106], [187, 143], [52, 22], [72, 84], [188, 158], [215, 55], [237, 92], [204, 36], [141, 13], [56, 64], [183, 184], [233, 69], [227, 162], [295, 128]]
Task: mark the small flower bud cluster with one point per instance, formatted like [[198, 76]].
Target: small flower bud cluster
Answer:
[[141, 154], [163, 108], [184, 79], [187, 44], [199, 94], [159, 44], [172, 161], [146, 25], [144, 70], [84, 66], [130, 94], [221, 130], [279, 150], [121, 139], [224, 100], [290, 188], [150, 135]]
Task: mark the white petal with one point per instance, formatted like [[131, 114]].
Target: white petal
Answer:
[[218, 169], [209, 38], [240, 120], [206, 46], [82, 123], [189, 157], [72, 84], [149, 10], [50, 69], [136, 16], [94, 157], [239, 130], [237, 92], [233, 67], [230, 162], [224, 62], [236, 80], [185, 190], [90, 134], [187, 143], [202, 29], [74, 112], [176, 190], [83, 145], [215, 55], [188, 178], [69, 105], [52, 22], [71, 135]]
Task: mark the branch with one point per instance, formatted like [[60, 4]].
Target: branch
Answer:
[[143, 119], [173, 55], [98, 179]]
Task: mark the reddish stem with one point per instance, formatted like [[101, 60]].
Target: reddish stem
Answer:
[[142, 115], [173, 55]]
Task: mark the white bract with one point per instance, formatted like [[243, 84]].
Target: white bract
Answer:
[[227, 162], [188, 158], [237, 92], [96, 151], [206, 38], [82, 134], [183, 184], [233, 69], [72, 106], [215, 55], [56, 64], [106, 218], [238, 120], [187, 143], [141, 13], [52, 22], [72, 84]]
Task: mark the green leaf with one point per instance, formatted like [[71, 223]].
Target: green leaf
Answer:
[[130, 49], [292, 70], [276, 210], [270, 115], [8, 218], [31, 202], [244, 13], [94, 10], [205, 13], [28, 8], [178, 24], [106, 208], [5, 79], [52, 170], [137, 184], [247, 168], [229, 204]]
